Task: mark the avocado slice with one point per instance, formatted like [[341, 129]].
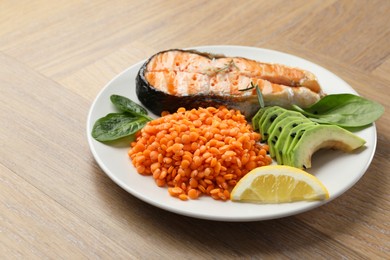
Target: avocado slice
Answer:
[[285, 114], [322, 136], [284, 127], [279, 128], [294, 136], [267, 111], [256, 118], [268, 120]]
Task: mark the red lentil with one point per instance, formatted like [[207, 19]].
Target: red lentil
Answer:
[[198, 151]]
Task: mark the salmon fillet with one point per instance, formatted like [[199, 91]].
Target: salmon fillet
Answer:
[[183, 73]]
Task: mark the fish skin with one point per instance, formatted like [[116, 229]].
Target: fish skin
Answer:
[[187, 78]]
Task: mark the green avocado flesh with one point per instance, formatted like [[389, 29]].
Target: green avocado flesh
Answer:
[[267, 111], [256, 118], [286, 139], [322, 136], [280, 117], [280, 131], [295, 135], [268, 120], [293, 139]]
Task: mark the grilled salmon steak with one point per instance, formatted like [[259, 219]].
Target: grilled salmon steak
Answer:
[[191, 79]]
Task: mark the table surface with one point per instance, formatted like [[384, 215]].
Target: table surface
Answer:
[[55, 57]]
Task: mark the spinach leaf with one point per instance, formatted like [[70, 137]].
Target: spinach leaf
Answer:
[[116, 125], [126, 105], [345, 110]]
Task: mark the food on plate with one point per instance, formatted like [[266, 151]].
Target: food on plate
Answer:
[[207, 151], [321, 136], [186, 78], [131, 118], [198, 151], [345, 110], [278, 184], [293, 138]]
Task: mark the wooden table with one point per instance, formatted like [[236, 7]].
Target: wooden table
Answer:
[[55, 56]]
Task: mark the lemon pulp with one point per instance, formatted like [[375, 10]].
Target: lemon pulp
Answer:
[[278, 184]]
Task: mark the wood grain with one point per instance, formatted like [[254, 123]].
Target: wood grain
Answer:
[[55, 56]]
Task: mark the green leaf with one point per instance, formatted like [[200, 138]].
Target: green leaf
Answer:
[[126, 105], [345, 110], [117, 125]]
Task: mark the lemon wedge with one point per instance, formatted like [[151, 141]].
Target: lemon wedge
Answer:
[[278, 184]]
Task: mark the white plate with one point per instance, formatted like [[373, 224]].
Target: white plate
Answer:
[[337, 170]]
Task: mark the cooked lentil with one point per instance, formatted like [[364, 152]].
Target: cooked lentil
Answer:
[[198, 151]]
